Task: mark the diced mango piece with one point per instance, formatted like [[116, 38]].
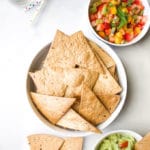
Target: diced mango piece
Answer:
[[125, 10], [119, 35], [113, 10], [118, 40], [137, 30], [102, 34]]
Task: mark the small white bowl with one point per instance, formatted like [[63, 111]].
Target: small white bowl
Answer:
[[137, 136], [36, 64], [137, 38]]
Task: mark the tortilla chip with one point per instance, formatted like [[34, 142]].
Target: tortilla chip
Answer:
[[110, 102], [44, 142], [106, 84], [112, 70], [76, 105], [58, 45], [74, 121], [144, 144], [91, 108], [72, 52], [75, 143], [74, 79], [106, 58], [116, 77], [52, 107], [49, 81]]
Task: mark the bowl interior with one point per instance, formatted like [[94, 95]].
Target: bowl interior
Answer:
[[137, 38], [36, 65], [137, 136]]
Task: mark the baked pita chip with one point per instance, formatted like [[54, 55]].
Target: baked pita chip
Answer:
[[73, 143], [44, 142], [144, 144], [106, 58], [91, 108], [49, 81], [52, 107], [71, 52], [110, 102], [74, 121]]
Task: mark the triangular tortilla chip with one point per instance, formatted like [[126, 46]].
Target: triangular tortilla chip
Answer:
[[74, 121], [73, 143], [91, 108], [49, 81], [110, 102], [72, 52], [116, 76], [52, 107], [57, 49], [106, 58], [112, 70], [44, 142], [74, 79], [106, 84], [55, 81], [144, 144], [76, 105]]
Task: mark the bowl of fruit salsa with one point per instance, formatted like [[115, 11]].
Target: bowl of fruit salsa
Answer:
[[119, 22]]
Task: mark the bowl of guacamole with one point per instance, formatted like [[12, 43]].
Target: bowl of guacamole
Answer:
[[118, 140]]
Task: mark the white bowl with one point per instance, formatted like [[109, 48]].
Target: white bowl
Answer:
[[137, 38], [36, 64], [137, 136]]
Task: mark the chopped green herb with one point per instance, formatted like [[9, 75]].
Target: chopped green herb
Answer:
[[98, 21], [93, 10]]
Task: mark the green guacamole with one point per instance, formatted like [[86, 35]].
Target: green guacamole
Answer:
[[117, 142]]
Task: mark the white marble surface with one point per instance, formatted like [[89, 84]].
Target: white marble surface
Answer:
[[19, 43]]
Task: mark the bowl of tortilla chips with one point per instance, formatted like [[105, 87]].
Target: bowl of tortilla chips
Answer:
[[76, 86]]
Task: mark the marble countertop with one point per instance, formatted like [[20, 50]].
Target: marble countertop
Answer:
[[21, 41]]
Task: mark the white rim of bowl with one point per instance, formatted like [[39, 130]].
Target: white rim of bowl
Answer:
[[137, 136], [136, 39]]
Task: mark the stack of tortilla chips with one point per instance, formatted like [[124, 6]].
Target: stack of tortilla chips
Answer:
[[77, 87], [50, 142]]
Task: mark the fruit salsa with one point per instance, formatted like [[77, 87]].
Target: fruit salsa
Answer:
[[117, 21]]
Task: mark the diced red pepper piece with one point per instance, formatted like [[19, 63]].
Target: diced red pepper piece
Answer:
[[124, 144], [128, 37], [106, 25], [100, 8], [107, 31], [93, 17], [137, 2], [143, 20], [100, 27]]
